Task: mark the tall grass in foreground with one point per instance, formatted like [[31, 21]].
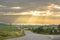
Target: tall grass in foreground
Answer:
[[10, 31]]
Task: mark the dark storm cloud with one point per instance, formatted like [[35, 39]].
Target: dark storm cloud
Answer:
[[26, 4]]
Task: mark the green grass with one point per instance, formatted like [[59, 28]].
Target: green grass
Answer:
[[4, 27], [10, 31]]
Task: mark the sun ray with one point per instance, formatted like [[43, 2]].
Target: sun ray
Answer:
[[38, 17]]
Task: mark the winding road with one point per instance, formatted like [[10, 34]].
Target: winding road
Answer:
[[32, 36]]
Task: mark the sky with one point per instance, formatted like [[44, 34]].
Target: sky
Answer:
[[17, 6], [32, 8]]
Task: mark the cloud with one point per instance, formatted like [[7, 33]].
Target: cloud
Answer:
[[16, 7], [25, 5], [57, 6], [1, 6]]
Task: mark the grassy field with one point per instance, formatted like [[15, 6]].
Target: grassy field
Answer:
[[10, 31]]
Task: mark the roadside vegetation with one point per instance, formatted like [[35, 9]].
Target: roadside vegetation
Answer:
[[44, 29], [10, 31], [49, 30]]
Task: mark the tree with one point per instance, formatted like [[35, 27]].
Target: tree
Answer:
[[59, 27]]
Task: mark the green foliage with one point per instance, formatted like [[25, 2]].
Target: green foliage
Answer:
[[10, 31], [48, 30], [59, 27]]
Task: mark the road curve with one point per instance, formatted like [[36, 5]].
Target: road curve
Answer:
[[32, 36]]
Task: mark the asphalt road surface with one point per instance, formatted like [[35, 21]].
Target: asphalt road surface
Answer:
[[32, 36]]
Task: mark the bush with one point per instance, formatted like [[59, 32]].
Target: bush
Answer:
[[11, 34], [47, 30]]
